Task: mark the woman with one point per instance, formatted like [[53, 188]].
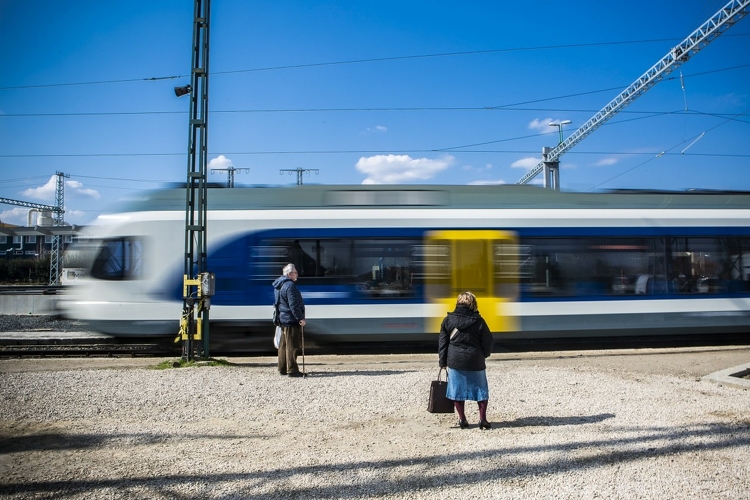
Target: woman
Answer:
[[465, 342]]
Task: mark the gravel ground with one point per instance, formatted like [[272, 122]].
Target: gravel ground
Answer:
[[37, 322], [611, 424]]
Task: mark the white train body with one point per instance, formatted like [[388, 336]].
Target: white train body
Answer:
[[385, 262]]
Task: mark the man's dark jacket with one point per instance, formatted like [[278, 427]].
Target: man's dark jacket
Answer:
[[291, 306], [471, 344]]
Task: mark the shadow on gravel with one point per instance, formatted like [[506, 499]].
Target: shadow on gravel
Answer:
[[58, 441], [421, 474], [553, 421], [316, 374]]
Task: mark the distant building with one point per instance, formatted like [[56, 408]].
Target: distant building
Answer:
[[33, 242]]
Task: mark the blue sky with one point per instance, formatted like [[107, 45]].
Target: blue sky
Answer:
[[393, 92]]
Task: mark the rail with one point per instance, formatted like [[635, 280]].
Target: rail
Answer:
[[86, 349], [30, 289]]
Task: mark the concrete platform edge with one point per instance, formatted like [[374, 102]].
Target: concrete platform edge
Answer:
[[730, 376]]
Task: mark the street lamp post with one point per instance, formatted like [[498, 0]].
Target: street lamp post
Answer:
[[560, 127], [552, 168]]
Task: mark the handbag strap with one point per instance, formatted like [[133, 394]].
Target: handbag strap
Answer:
[[441, 370]]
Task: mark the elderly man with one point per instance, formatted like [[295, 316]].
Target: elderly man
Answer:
[[292, 319]]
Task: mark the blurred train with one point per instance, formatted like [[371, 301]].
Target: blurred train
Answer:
[[385, 263]]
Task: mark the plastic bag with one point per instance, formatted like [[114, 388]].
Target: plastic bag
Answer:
[[277, 337]]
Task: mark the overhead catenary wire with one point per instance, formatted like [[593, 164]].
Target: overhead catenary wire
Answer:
[[500, 107], [351, 61], [348, 62], [666, 152]]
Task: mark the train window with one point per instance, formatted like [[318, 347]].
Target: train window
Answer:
[[709, 265], [377, 268], [119, 259], [384, 268], [82, 254], [313, 258], [510, 267], [634, 266], [586, 266]]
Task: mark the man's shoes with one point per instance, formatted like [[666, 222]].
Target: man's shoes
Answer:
[[295, 374]]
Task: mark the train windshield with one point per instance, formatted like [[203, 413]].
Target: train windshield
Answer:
[[108, 259]]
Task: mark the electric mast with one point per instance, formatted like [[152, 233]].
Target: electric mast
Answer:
[[54, 258], [198, 284]]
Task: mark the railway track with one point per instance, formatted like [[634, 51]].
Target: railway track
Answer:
[[124, 347], [30, 289], [86, 348]]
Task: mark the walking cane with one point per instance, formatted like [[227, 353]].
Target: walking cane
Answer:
[[304, 374]]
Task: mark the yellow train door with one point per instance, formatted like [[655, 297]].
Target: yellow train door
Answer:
[[483, 262]]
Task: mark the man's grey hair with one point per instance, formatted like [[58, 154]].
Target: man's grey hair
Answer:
[[288, 269]]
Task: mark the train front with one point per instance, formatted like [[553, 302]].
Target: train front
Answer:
[[121, 261]]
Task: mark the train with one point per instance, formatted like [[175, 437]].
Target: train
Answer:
[[384, 263]]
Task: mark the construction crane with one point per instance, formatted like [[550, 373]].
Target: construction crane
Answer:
[[28, 204], [705, 34]]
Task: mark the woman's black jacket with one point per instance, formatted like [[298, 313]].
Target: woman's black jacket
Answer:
[[471, 344]]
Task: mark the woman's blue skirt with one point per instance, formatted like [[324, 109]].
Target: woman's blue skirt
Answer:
[[465, 385]]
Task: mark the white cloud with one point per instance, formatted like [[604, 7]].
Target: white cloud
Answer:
[[382, 129], [17, 216], [394, 169], [542, 125], [220, 161], [606, 162], [527, 163], [74, 213], [77, 187], [45, 192]]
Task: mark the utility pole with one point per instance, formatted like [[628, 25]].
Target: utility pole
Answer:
[[230, 173], [198, 284], [299, 171]]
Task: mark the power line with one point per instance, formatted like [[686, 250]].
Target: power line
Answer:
[[359, 61], [19, 179], [345, 151], [100, 82], [666, 152], [461, 148], [501, 107], [149, 181]]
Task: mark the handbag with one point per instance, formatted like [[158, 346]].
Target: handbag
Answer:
[[438, 403]]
